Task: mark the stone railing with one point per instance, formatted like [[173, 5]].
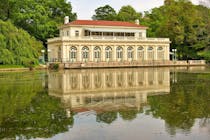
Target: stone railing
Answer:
[[196, 62], [107, 38]]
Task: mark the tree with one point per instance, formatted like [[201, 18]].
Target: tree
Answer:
[[185, 24], [104, 13], [128, 13], [37, 17], [17, 46]]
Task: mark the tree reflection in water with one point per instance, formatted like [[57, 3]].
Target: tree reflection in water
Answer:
[[27, 111], [106, 117], [188, 100]]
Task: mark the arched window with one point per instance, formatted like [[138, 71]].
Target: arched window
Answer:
[[130, 52], [119, 53], [73, 54], [150, 55], [97, 53], [108, 51], [160, 53], [140, 53], [85, 53]]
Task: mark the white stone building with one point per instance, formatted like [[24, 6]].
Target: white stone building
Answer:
[[88, 41]]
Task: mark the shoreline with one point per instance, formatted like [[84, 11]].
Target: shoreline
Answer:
[[21, 69], [46, 68]]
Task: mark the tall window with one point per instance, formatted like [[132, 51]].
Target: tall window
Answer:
[[130, 52], [140, 35], [76, 33], [150, 54], [160, 53], [108, 52], [85, 53], [73, 54], [97, 53], [119, 53], [141, 53]]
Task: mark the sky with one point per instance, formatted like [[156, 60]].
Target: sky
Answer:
[[85, 8]]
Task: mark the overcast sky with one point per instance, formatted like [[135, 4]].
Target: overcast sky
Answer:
[[85, 8]]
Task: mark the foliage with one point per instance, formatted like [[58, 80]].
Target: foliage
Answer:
[[128, 13], [128, 114], [17, 90], [104, 13], [185, 24], [107, 117], [17, 46], [39, 18], [27, 111], [54, 66], [187, 101]]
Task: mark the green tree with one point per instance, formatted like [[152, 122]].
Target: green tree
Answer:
[[17, 46], [39, 18], [104, 13], [185, 24], [128, 13]]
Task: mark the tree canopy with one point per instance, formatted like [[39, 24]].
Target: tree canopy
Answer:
[[105, 13], [39, 18], [17, 46], [128, 13], [186, 25]]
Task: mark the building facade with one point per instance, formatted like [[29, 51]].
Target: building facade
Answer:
[[87, 41]]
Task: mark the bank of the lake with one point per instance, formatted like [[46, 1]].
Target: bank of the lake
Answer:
[[21, 68]]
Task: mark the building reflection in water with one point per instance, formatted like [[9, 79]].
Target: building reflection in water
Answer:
[[105, 89]]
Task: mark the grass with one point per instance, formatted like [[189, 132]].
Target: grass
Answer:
[[11, 66]]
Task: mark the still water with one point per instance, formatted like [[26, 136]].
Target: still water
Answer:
[[106, 104]]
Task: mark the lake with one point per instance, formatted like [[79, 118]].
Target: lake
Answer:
[[106, 104]]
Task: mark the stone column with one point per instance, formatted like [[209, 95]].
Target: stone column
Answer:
[[166, 52], [114, 53], [155, 52], [135, 53], [91, 53], [145, 53], [62, 53], [125, 51], [103, 53], [79, 53]]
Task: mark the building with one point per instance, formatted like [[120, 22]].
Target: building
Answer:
[[85, 42]]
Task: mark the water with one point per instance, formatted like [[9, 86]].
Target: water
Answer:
[[110, 104]]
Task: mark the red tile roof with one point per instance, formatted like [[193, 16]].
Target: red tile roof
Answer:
[[104, 23]]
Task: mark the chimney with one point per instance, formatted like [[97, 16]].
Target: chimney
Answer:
[[137, 21], [66, 20]]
